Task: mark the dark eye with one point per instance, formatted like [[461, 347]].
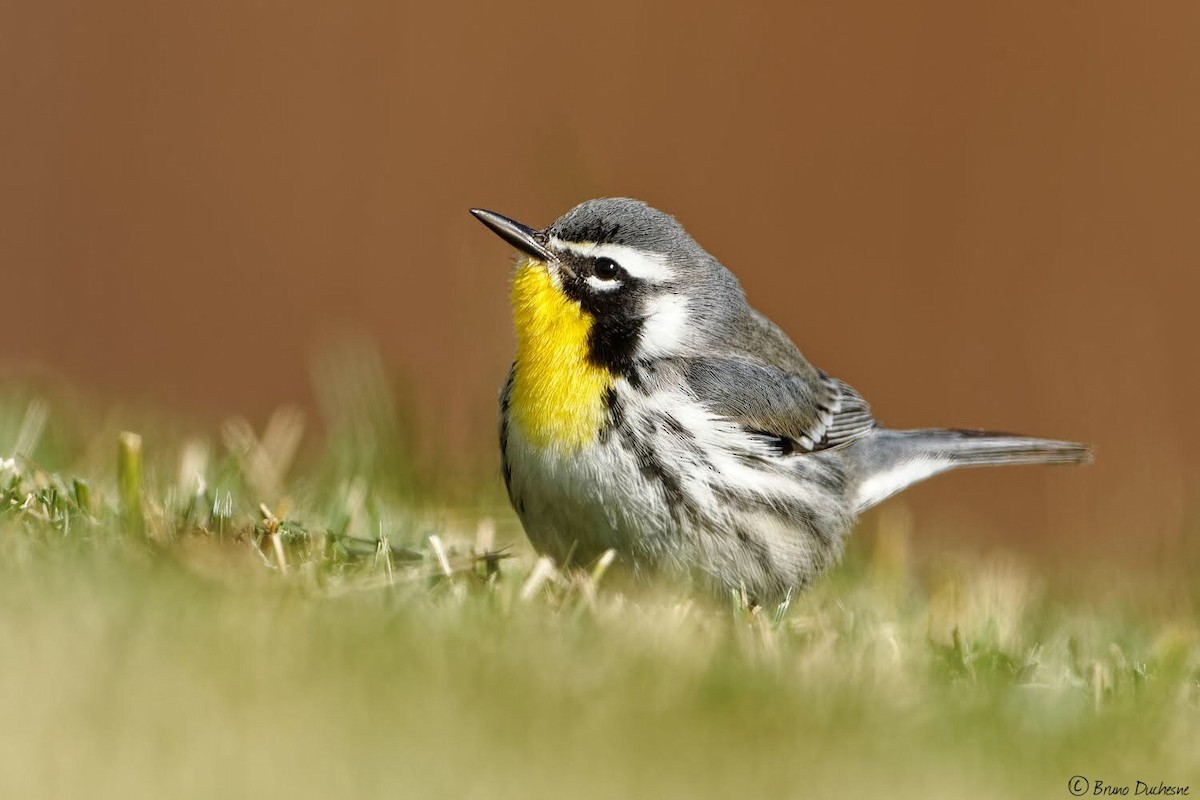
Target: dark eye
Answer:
[[606, 269]]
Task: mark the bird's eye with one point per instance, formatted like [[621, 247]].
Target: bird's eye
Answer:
[[606, 269]]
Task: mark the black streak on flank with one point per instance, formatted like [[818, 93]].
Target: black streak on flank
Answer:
[[757, 549], [634, 378], [616, 414], [795, 512], [684, 442], [652, 466], [675, 426]]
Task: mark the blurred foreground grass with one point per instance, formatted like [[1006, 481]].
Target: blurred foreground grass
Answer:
[[228, 618]]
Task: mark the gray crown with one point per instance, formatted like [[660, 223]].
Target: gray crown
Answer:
[[624, 221]]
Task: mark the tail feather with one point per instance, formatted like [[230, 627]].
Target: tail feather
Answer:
[[895, 460], [969, 448]]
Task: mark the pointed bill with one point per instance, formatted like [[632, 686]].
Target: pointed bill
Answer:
[[529, 241]]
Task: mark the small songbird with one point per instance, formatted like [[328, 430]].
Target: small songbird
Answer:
[[650, 410]]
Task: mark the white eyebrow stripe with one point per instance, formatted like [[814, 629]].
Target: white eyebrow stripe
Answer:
[[638, 263]]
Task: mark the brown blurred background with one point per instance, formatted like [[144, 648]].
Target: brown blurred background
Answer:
[[978, 215]]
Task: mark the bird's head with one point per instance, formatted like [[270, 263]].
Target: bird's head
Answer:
[[626, 275]]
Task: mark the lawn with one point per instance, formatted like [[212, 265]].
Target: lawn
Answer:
[[287, 613]]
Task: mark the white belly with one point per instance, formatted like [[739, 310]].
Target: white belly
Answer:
[[578, 504], [670, 485]]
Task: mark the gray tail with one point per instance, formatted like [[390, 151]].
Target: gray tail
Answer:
[[895, 460]]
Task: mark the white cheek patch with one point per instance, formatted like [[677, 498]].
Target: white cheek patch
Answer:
[[665, 325], [601, 285], [649, 267]]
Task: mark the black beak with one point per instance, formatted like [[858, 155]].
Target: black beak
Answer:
[[530, 242]]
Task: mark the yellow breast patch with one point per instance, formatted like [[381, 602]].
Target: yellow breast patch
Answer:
[[557, 395]]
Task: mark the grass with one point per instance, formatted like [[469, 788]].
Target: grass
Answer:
[[180, 618]]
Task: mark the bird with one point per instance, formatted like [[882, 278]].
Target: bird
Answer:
[[650, 410]]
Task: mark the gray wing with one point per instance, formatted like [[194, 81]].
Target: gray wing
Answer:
[[807, 411]]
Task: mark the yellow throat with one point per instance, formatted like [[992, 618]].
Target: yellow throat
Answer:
[[557, 395]]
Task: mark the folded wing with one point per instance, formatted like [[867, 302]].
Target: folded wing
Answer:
[[805, 412]]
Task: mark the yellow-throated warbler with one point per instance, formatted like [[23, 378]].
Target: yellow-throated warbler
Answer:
[[651, 410]]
